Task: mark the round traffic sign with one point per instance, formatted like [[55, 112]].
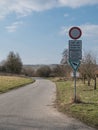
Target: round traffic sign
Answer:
[[75, 32]]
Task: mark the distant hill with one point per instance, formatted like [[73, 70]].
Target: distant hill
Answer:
[[35, 67]]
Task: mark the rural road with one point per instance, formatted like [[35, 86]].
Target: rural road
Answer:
[[31, 108]]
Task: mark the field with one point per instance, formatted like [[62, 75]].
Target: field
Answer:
[[87, 108], [10, 82]]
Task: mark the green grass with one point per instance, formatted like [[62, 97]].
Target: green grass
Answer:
[[11, 82], [87, 110]]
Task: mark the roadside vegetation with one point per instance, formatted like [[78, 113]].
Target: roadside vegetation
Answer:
[[86, 108], [11, 82]]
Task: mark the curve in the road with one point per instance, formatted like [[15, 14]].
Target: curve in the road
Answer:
[[31, 108]]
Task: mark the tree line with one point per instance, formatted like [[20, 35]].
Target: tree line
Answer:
[[13, 64], [87, 68]]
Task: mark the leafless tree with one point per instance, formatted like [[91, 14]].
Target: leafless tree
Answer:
[[88, 68], [43, 71], [64, 59], [28, 71], [64, 62]]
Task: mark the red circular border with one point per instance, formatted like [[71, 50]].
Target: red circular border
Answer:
[[78, 30]]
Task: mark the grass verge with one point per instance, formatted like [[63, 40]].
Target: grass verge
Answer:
[[11, 82], [87, 110]]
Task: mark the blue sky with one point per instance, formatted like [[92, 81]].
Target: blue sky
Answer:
[[38, 29]]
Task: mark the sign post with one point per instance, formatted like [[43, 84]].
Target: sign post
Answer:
[[75, 52], [75, 98]]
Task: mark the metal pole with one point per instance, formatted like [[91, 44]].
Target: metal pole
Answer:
[[75, 86]]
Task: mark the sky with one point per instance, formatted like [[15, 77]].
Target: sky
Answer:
[[38, 29]]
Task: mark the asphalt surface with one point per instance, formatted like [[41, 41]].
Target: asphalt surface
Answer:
[[31, 108]]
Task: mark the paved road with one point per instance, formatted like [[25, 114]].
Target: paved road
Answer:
[[31, 108]]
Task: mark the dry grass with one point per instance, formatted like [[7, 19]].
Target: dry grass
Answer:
[[87, 107], [11, 82]]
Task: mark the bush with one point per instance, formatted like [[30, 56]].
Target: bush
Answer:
[[43, 71]]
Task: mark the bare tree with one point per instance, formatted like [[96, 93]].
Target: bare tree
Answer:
[[82, 71], [64, 59], [64, 62], [28, 71], [58, 70], [43, 71], [88, 67]]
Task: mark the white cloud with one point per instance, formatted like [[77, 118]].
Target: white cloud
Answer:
[[25, 7], [77, 3], [13, 27], [90, 36], [90, 30]]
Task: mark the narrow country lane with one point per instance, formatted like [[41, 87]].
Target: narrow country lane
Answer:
[[31, 108]]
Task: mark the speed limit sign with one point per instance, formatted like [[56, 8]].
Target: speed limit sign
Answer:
[[75, 32]]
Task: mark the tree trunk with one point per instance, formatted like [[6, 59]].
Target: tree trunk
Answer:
[[84, 80], [88, 81], [95, 83]]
